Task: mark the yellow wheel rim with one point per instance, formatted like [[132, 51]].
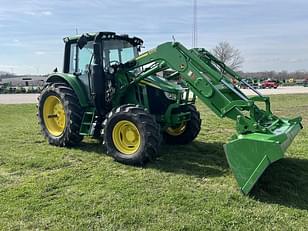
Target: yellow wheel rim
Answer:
[[177, 130], [54, 115], [126, 137]]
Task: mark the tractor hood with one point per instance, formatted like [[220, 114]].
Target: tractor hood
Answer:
[[162, 84]]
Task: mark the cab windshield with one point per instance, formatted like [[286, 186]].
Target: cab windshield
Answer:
[[118, 51]]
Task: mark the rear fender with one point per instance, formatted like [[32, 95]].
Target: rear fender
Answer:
[[74, 83]]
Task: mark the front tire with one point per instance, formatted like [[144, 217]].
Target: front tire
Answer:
[[131, 135], [187, 131], [60, 115]]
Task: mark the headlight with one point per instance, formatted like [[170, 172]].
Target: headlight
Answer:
[[170, 96]]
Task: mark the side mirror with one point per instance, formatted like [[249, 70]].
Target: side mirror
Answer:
[[82, 41], [140, 47]]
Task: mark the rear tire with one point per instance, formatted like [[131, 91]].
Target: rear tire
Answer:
[[131, 135], [186, 132], [60, 115]]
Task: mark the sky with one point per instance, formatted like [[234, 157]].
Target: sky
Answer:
[[271, 35]]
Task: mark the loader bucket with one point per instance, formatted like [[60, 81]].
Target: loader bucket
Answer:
[[250, 154]]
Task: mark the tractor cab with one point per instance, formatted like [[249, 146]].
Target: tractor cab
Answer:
[[113, 49], [89, 57]]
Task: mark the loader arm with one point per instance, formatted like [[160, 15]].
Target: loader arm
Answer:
[[261, 138], [210, 80]]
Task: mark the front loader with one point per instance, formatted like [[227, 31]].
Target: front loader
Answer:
[[109, 91]]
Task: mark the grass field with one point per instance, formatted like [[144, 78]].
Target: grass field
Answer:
[[188, 188]]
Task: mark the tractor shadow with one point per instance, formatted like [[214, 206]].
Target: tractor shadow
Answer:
[[196, 159], [91, 146], [285, 182]]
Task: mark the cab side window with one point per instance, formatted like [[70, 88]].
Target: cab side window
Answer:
[[85, 58], [80, 59], [73, 49]]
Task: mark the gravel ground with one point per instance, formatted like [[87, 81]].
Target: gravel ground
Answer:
[[32, 98], [18, 98]]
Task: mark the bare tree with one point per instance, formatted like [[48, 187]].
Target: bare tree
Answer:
[[229, 55]]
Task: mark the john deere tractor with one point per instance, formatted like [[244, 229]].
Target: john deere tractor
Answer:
[[109, 91]]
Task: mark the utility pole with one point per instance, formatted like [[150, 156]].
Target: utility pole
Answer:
[[195, 25]]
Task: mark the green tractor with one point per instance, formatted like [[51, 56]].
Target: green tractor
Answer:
[[109, 91]]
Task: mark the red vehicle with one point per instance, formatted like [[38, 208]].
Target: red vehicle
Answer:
[[269, 84]]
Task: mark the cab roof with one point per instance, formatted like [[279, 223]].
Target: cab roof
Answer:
[[104, 35]]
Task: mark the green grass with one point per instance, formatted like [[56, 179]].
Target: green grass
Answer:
[[188, 188]]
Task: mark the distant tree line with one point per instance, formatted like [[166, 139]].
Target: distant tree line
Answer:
[[5, 75], [282, 75]]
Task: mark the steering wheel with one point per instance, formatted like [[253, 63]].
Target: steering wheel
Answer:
[[114, 62], [110, 64]]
